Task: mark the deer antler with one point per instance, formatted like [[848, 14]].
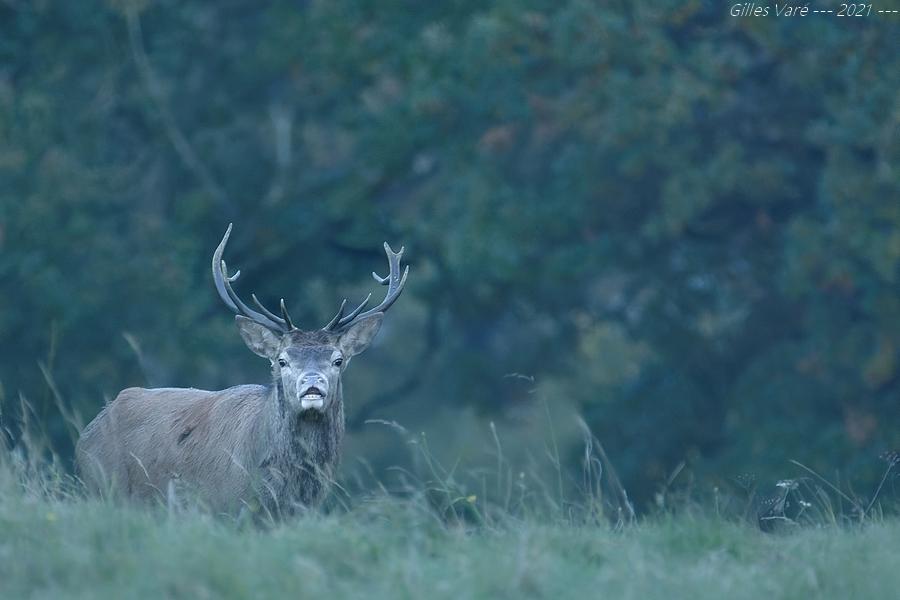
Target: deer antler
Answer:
[[223, 282], [393, 280]]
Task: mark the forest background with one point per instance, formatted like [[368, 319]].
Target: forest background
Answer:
[[680, 226]]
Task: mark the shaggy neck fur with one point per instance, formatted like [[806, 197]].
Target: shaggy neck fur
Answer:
[[300, 461]]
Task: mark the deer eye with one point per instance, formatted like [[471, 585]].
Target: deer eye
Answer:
[[282, 362], [338, 362]]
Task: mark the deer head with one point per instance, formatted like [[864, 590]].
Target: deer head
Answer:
[[308, 364]]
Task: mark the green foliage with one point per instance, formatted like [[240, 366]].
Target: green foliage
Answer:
[[686, 226]]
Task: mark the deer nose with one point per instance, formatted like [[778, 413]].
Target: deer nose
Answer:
[[313, 379]]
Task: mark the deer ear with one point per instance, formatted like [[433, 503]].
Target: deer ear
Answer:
[[258, 338], [360, 334]]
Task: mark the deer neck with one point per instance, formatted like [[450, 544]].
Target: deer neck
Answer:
[[314, 437], [304, 450]]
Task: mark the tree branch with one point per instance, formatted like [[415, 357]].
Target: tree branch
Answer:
[[179, 141]]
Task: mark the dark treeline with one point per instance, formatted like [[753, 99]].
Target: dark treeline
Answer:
[[681, 225]]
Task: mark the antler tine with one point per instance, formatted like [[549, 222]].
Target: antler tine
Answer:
[[393, 280], [286, 316], [358, 309], [228, 295], [220, 274], [252, 314], [334, 320], [266, 311], [391, 296]]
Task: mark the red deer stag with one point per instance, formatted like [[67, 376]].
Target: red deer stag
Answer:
[[276, 444]]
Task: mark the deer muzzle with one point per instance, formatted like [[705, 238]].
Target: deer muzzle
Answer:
[[312, 399], [312, 391]]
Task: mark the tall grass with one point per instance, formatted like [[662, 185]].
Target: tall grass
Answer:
[[439, 530], [63, 545]]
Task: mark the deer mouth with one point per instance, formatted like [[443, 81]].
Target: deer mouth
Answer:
[[312, 398]]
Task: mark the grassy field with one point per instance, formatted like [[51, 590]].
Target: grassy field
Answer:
[[433, 538], [59, 545]]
